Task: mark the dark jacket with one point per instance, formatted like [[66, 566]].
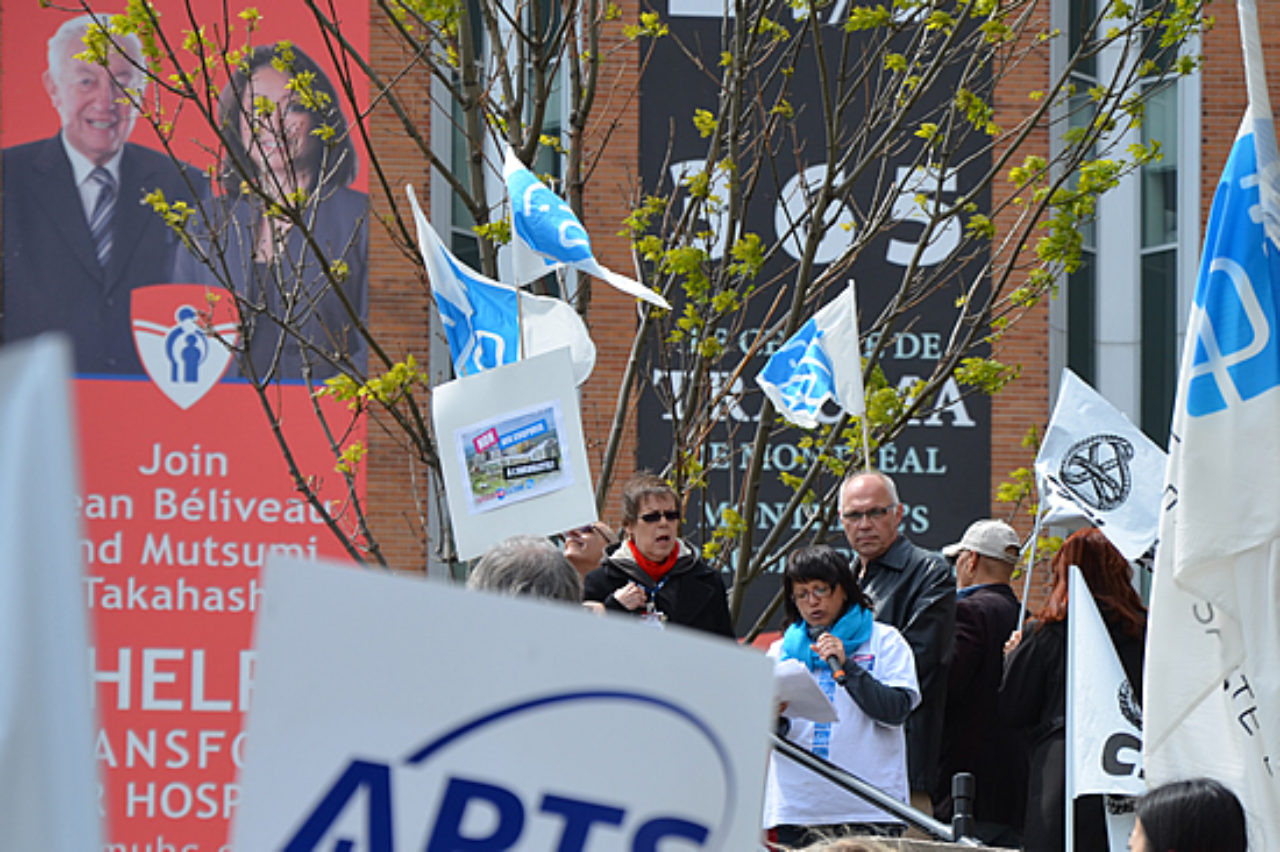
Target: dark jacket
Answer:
[[1033, 699], [691, 593], [973, 740], [914, 591], [52, 279], [296, 290]]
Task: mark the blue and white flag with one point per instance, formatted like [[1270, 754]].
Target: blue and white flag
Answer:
[[1213, 650], [483, 319], [546, 226], [822, 361]]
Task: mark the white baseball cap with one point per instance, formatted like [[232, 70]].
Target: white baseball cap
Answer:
[[988, 538]]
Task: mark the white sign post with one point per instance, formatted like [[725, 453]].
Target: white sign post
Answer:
[[392, 713]]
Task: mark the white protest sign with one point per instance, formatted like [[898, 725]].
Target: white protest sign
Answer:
[[391, 712], [511, 452], [49, 794]]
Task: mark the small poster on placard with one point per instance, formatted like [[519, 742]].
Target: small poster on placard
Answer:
[[514, 460], [514, 457]]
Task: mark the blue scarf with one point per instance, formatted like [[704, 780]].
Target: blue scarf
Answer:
[[853, 628]]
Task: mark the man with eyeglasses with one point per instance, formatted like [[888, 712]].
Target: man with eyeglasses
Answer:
[[914, 591]]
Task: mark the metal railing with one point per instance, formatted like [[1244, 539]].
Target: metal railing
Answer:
[[961, 822]]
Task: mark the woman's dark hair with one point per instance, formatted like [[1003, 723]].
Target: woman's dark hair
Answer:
[[1196, 815], [640, 486], [823, 564], [339, 161], [1110, 578]]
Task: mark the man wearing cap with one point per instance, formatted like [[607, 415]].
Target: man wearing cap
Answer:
[[972, 741]]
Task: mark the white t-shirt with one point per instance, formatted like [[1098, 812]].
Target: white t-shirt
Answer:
[[875, 752]]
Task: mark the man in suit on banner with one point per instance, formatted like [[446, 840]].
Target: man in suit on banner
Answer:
[[77, 237]]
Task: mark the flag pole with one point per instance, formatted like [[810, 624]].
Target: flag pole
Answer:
[[1031, 562], [1074, 583], [519, 325], [866, 437]]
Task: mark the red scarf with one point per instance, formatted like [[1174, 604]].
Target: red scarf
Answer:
[[655, 570]]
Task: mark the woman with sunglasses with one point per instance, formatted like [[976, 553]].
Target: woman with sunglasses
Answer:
[[652, 574], [873, 688], [584, 546]]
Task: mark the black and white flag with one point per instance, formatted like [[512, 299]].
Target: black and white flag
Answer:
[[1097, 466]]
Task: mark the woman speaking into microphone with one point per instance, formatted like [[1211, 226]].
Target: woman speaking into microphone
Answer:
[[873, 687]]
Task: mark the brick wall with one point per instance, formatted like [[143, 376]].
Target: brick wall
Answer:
[[399, 308], [613, 188], [1024, 402]]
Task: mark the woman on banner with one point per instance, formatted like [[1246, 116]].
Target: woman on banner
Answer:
[[1033, 695], [302, 283], [874, 690], [653, 574]]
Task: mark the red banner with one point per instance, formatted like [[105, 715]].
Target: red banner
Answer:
[[181, 508], [185, 491]]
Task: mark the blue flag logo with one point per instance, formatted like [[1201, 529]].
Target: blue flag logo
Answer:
[[487, 335], [1237, 355], [544, 221], [819, 362], [801, 372]]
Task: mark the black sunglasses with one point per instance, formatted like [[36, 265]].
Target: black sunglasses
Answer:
[[654, 517], [588, 530]]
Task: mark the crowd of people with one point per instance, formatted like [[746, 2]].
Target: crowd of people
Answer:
[[932, 673], [921, 654]]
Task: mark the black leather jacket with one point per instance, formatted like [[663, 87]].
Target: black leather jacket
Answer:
[[914, 591]]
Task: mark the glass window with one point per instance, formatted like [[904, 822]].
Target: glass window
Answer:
[[1160, 179], [1159, 297], [1159, 342], [1082, 14], [1081, 310]]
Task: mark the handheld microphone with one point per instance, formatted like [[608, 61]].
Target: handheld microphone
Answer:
[[833, 662]]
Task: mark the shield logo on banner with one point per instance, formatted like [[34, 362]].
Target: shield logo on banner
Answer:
[[176, 329]]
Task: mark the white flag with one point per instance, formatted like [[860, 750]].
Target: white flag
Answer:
[[545, 226], [48, 774], [1104, 719], [1213, 653], [1103, 712], [1097, 466], [485, 324], [822, 361]]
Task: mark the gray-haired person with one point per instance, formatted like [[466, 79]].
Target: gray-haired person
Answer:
[[527, 565], [77, 238]]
